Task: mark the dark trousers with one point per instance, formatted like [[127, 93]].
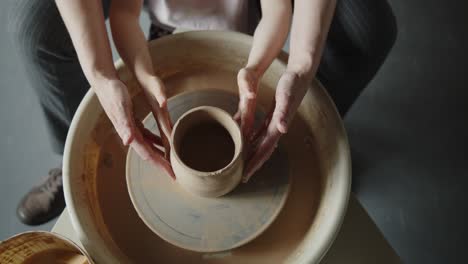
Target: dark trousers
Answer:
[[361, 35]]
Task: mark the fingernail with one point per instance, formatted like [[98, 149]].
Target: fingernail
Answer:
[[125, 138], [162, 101], [246, 178]]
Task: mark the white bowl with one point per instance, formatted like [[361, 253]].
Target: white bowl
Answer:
[[317, 147]]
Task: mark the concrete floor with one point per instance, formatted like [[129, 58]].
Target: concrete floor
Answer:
[[25, 153], [407, 132]]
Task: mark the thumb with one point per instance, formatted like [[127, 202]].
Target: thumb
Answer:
[[155, 90], [287, 100], [280, 117]]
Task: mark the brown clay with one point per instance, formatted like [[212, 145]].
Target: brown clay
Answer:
[[218, 152]]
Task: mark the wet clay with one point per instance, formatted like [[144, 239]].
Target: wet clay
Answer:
[[56, 256], [206, 146], [141, 245]]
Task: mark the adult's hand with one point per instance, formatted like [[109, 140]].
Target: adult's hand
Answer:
[[117, 104], [289, 94], [311, 21], [85, 22]]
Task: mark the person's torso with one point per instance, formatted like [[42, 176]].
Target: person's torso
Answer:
[[200, 14]]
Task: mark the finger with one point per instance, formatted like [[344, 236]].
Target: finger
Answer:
[[164, 130], [247, 102], [263, 152], [262, 129], [248, 118], [281, 114], [153, 139], [155, 92], [167, 120], [141, 148], [162, 119], [236, 116], [155, 149], [122, 119], [147, 134], [156, 89], [259, 133], [167, 168], [159, 160], [147, 153]]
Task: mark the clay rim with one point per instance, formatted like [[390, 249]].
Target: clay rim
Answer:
[[238, 146]]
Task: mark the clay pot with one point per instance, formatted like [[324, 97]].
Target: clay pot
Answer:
[[207, 183]]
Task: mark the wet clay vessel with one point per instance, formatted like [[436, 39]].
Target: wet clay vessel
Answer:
[[203, 183]]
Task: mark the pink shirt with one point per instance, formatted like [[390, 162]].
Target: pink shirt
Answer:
[[200, 14]]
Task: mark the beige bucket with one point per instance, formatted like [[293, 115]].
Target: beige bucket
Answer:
[[41, 247]]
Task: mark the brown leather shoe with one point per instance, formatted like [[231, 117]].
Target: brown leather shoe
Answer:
[[44, 202]]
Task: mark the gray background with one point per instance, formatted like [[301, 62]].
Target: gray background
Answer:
[[407, 132]]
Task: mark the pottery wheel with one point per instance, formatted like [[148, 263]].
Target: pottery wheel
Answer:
[[206, 224]]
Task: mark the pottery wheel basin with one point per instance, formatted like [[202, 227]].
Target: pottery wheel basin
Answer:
[[316, 149]]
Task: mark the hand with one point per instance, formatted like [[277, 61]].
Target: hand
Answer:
[[117, 104], [289, 94]]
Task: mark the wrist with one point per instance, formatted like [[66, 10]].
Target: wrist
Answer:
[[255, 70], [101, 79], [102, 86], [303, 66]]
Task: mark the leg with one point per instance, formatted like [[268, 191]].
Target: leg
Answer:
[[361, 35], [51, 63], [55, 73]]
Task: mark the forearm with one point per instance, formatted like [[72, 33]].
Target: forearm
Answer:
[[130, 40], [133, 48], [270, 34], [311, 22], [84, 20]]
